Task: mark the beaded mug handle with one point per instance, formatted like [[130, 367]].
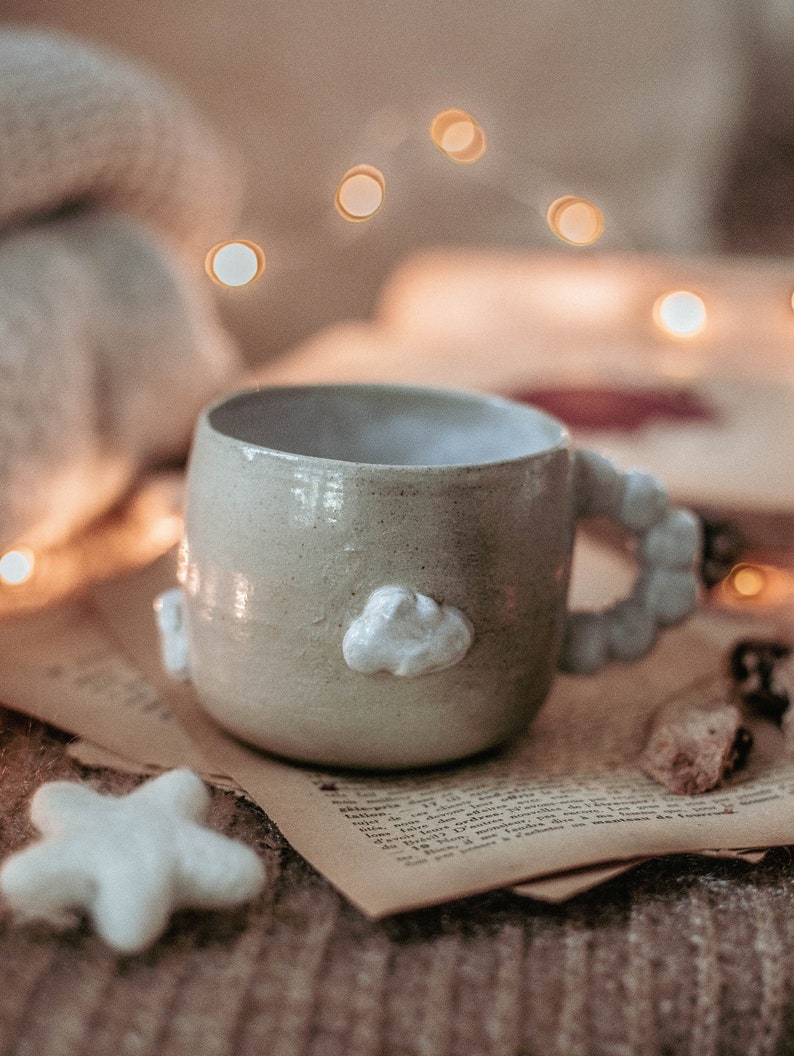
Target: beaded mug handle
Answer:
[[667, 546]]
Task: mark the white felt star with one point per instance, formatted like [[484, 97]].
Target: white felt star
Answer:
[[128, 861]]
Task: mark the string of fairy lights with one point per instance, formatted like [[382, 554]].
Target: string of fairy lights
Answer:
[[360, 195]]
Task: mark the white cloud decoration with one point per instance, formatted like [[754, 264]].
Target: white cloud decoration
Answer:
[[406, 634]]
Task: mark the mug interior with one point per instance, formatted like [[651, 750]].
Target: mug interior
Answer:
[[387, 424]]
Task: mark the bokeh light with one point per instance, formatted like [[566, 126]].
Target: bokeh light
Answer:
[[235, 263], [16, 566], [166, 531], [458, 136], [680, 313], [360, 193], [575, 220], [746, 581]]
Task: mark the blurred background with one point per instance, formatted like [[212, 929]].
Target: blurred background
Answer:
[[675, 118]]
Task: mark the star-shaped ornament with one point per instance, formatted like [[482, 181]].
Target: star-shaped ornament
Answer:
[[129, 862]]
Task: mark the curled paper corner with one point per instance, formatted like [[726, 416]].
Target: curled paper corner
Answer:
[[406, 634], [173, 638]]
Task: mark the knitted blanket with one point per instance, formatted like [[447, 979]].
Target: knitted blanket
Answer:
[[111, 191]]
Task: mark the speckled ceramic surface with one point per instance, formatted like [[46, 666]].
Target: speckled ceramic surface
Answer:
[[376, 575]]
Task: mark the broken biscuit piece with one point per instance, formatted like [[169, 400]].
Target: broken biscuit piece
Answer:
[[694, 745]]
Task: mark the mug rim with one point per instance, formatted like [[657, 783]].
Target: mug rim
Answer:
[[461, 395]]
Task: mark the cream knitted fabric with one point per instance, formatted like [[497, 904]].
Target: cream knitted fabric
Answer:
[[109, 344], [80, 124]]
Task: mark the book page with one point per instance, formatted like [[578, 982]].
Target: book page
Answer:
[[59, 666], [561, 886], [565, 795]]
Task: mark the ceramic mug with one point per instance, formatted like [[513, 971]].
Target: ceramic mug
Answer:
[[376, 575]]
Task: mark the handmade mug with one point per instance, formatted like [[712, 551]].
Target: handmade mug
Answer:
[[377, 575]]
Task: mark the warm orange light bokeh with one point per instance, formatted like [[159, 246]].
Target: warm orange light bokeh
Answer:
[[680, 313], [575, 220], [16, 566], [237, 262], [458, 136], [360, 193], [747, 581]]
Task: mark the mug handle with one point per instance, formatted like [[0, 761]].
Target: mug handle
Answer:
[[667, 546]]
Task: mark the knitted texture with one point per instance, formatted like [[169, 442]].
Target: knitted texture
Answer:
[[78, 124], [111, 190]]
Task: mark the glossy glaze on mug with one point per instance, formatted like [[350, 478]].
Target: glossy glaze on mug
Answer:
[[284, 548]]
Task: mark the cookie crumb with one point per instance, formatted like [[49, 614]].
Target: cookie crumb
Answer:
[[693, 746]]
